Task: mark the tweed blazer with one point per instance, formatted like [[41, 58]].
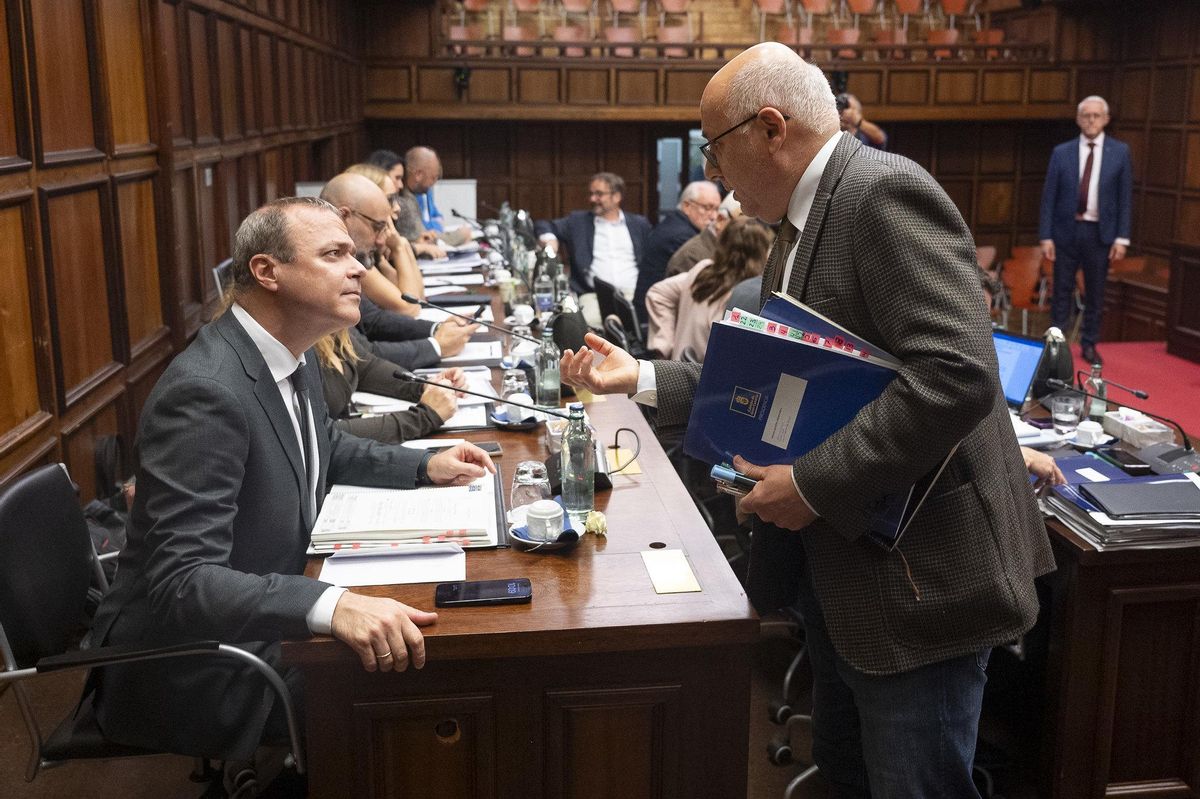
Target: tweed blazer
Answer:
[[885, 253], [217, 543]]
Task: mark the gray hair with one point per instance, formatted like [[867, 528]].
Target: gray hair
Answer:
[[692, 190], [265, 232], [1092, 98], [616, 184], [795, 87]]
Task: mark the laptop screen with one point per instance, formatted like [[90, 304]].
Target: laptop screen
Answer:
[[1019, 359]]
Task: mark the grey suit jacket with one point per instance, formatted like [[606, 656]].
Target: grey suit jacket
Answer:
[[216, 543], [886, 254]]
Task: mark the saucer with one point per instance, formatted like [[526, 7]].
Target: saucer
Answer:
[[504, 424], [520, 536]]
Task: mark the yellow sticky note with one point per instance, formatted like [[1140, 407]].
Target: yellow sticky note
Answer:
[[618, 457], [583, 395], [670, 571]]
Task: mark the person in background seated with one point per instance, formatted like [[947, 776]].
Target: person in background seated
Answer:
[[682, 308], [395, 269], [235, 453], [704, 243], [421, 219], [854, 123], [389, 162], [698, 204], [605, 241], [411, 343], [347, 366]]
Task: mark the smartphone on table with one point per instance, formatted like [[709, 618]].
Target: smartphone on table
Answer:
[[515, 591]]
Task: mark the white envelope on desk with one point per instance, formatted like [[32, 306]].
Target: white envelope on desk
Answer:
[[401, 565]]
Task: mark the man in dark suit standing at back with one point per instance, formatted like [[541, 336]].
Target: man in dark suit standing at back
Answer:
[[898, 639], [697, 209], [235, 450], [604, 242], [1086, 209]]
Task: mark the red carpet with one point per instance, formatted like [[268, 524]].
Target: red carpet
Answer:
[[1172, 382]]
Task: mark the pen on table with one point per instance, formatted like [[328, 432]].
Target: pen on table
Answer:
[[478, 312]]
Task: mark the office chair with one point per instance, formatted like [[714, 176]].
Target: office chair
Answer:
[[47, 568], [605, 294], [784, 710], [1025, 277], [220, 274]]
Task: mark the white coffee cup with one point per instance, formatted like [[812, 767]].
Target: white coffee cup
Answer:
[[1089, 433], [523, 314]]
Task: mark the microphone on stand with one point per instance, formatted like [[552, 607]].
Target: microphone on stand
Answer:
[[426, 304], [470, 219], [404, 374], [1137, 392], [1062, 385]]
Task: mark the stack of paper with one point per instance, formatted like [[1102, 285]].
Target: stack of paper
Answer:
[[354, 517], [1094, 510]]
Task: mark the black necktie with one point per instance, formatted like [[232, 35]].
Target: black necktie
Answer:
[[303, 415], [777, 258], [1086, 183]]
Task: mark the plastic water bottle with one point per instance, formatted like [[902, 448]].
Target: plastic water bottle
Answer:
[[578, 467], [543, 292], [562, 287], [549, 380], [1095, 385]]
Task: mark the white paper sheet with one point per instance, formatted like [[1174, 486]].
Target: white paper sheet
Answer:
[[438, 315], [455, 280], [475, 351], [437, 291], [400, 565]]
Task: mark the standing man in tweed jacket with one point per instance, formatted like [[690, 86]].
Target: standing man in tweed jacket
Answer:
[[898, 640]]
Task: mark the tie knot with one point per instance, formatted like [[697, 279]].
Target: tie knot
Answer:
[[299, 383], [1091, 145]]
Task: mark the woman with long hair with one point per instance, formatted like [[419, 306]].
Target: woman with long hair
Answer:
[[683, 307]]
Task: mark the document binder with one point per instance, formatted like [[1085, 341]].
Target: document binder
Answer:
[[771, 392]]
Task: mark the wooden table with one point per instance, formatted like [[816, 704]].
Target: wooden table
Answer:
[[598, 688]]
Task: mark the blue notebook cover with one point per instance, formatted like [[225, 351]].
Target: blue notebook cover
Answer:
[[1086, 468], [771, 399]]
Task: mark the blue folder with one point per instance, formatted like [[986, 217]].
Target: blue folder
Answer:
[[1083, 468], [771, 399]]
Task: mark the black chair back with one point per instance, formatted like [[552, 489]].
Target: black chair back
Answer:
[[605, 296], [629, 317], [45, 564]]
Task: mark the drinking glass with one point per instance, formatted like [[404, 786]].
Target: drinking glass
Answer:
[[1066, 410], [530, 483]]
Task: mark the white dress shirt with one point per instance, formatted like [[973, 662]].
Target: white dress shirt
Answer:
[[1092, 214], [797, 213], [613, 259], [281, 364]]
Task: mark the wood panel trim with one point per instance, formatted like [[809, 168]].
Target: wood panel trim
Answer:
[[22, 464], [78, 155], [1118, 600], [69, 396], [21, 118]]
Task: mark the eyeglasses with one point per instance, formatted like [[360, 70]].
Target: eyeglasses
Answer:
[[706, 148], [377, 225], [707, 208], [599, 193]]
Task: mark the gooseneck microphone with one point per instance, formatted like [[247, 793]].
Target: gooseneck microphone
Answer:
[[1062, 385], [470, 219], [404, 374], [426, 304], [1137, 392]]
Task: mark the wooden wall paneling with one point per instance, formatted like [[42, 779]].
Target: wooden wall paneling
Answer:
[[209, 224], [908, 87], [1095, 81], [684, 87], [283, 85], [200, 57], [489, 86], [995, 205], [123, 54], [1194, 108], [1168, 97], [1191, 170], [1163, 168], [957, 148], [1155, 223], [490, 151], [137, 232], [226, 67], [250, 184], [956, 86], [79, 443], [636, 87], [87, 319], [14, 106], [587, 87], [26, 392], [189, 295], [579, 157], [392, 84], [268, 97], [1135, 95], [228, 211], [1050, 86], [270, 175], [960, 191], [1004, 86], [62, 57], [540, 85], [171, 50], [247, 72]]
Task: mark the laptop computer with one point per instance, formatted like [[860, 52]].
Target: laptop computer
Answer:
[[1019, 359]]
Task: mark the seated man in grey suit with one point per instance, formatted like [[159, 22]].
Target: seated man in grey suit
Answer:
[[898, 639], [235, 450]]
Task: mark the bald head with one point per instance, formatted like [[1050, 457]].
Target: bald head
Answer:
[[765, 114], [363, 206], [424, 169]]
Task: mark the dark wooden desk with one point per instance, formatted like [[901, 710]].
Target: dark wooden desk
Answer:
[[1123, 687], [599, 688]]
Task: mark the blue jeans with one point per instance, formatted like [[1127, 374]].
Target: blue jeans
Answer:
[[900, 735]]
